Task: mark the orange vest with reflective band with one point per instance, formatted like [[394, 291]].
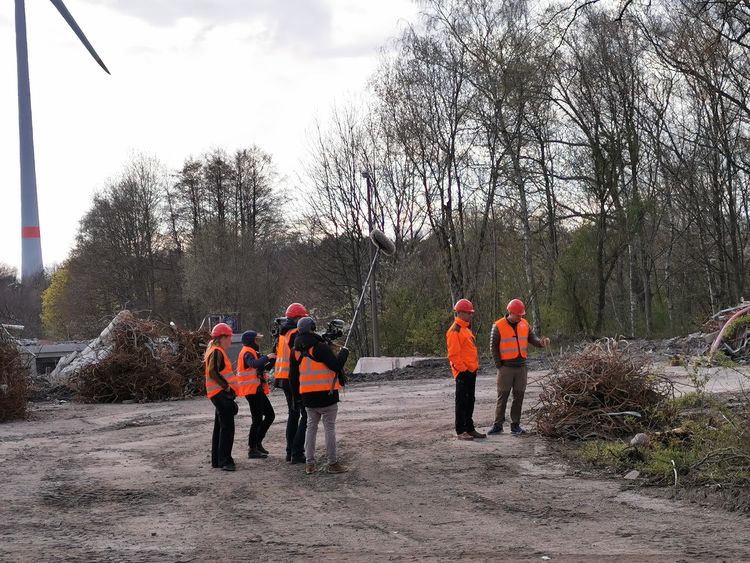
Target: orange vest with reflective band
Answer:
[[283, 354], [315, 376], [247, 381], [213, 388], [462, 348], [512, 346]]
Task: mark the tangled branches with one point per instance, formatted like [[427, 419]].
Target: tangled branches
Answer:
[[14, 380], [590, 393], [144, 361]]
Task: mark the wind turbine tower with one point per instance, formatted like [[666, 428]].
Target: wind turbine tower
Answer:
[[31, 243]]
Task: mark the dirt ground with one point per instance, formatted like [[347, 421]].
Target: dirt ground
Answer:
[[133, 483]]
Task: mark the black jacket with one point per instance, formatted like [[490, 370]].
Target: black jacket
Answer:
[[261, 364], [321, 352]]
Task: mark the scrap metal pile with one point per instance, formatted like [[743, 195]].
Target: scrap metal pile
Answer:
[[602, 391], [14, 379], [141, 360]]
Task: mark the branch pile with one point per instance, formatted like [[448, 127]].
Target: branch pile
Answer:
[[14, 380], [144, 360], [602, 391]]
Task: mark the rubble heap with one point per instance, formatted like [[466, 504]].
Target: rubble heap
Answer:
[[14, 379]]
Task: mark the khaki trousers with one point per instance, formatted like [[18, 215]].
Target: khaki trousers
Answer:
[[510, 379]]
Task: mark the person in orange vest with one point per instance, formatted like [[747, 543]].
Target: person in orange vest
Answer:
[[252, 383], [296, 422], [509, 342], [464, 362], [314, 370], [219, 379]]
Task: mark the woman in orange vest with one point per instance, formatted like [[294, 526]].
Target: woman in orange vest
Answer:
[[464, 361], [219, 378], [314, 370], [509, 342], [252, 383]]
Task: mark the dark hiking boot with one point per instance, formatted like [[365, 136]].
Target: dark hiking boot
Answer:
[[465, 436], [516, 429], [262, 450], [496, 429], [476, 434], [229, 467], [255, 453], [298, 459]]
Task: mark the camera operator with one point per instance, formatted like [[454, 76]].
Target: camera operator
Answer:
[[296, 423], [314, 369]]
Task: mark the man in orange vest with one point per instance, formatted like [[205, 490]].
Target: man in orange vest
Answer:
[[252, 384], [464, 361], [509, 342], [314, 371], [296, 422]]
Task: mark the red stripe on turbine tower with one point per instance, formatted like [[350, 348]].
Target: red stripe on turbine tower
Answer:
[[30, 232]]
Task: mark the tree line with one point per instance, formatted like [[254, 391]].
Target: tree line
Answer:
[[591, 158]]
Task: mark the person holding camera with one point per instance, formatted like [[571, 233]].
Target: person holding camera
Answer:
[[252, 384], [464, 361], [296, 422], [219, 378], [316, 375]]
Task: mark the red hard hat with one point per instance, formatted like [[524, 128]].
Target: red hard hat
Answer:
[[221, 329], [516, 307], [463, 306], [295, 311]]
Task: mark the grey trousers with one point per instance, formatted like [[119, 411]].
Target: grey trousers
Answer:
[[328, 414]]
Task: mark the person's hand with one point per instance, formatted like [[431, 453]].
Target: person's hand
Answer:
[[271, 356], [544, 342]]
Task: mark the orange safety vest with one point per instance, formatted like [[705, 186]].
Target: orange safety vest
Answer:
[[314, 376], [213, 388], [283, 353], [511, 345], [247, 381], [462, 348]]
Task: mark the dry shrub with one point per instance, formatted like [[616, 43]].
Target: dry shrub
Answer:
[[14, 380], [146, 361], [580, 397]]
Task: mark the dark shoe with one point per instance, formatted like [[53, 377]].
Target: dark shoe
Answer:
[[337, 468], [288, 458], [229, 467], [298, 459], [256, 454], [496, 429], [516, 429], [476, 434], [309, 468], [465, 436], [262, 450], [214, 466]]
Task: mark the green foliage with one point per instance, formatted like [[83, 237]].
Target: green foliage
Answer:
[[411, 326], [54, 319]]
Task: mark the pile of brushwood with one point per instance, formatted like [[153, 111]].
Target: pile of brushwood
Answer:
[[14, 379], [602, 391], [733, 326], [144, 360]]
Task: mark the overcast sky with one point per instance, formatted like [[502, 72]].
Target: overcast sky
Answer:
[[187, 76]]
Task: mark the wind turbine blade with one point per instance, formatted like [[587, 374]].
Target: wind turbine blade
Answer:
[[74, 26]]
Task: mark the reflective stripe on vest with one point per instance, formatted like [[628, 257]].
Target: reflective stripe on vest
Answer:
[[283, 353], [512, 346], [247, 381], [315, 376], [213, 388]]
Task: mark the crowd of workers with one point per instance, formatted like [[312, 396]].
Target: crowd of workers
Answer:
[[311, 376]]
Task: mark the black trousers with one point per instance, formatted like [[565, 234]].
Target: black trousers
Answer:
[[466, 383], [262, 414], [223, 438], [296, 425]]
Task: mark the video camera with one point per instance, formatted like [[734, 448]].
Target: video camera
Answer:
[[334, 330], [276, 325]]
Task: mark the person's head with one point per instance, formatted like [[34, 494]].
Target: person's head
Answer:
[[306, 325], [516, 310], [464, 310], [296, 311], [250, 338], [221, 336]]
